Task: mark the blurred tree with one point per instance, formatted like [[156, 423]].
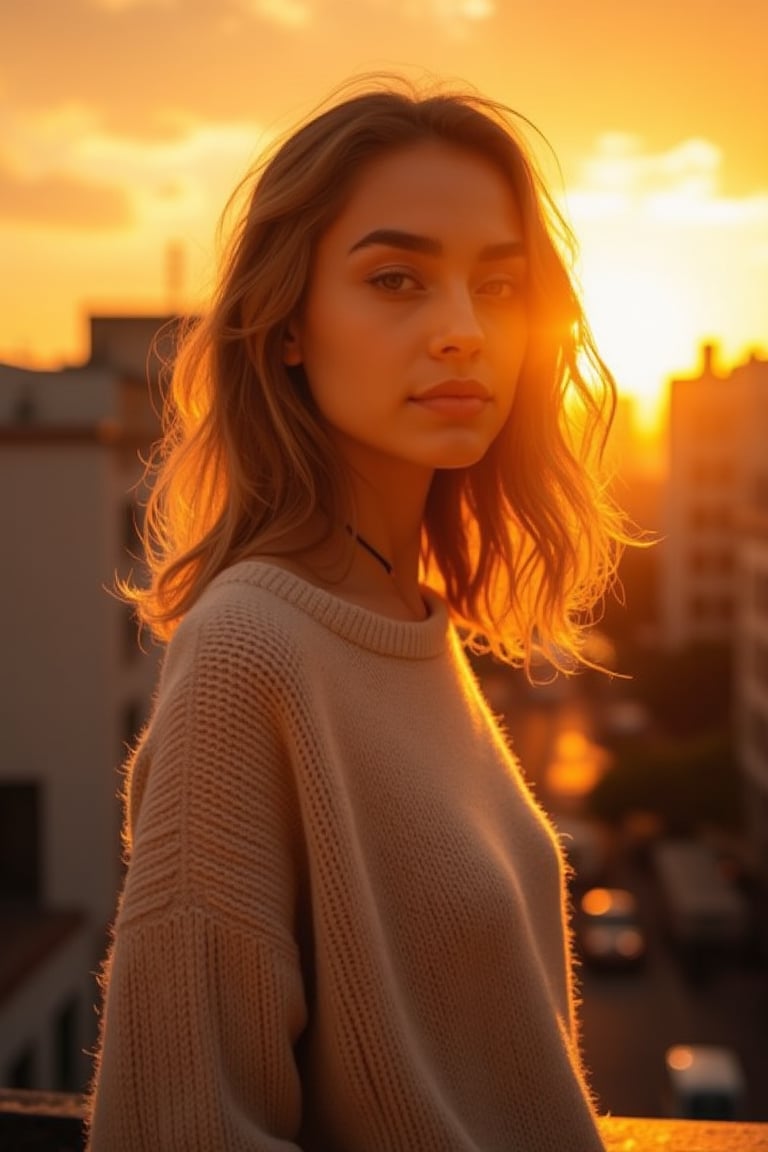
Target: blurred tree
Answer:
[[687, 692], [685, 783]]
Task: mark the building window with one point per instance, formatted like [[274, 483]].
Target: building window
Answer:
[[760, 490], [66, 1047], [724, 607], [22, 1070], [710, 517], [20, 843], [716, 473], [699, 517], [715, 423], [132, 527], [710, 609], [698, 560], [760, 592], [699, 608], [132, 721], [714, 560], [758, 733], [760, 663]]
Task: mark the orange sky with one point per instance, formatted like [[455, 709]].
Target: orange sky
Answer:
[[125, 123]]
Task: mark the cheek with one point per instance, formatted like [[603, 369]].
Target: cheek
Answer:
[[337, 379], [345, 359], [334, 335], [512, 348]]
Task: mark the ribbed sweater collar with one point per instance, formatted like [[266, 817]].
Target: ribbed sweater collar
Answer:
[[414, 640]]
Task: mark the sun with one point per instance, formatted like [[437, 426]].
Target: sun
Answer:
[[642, 324], [667, 260]]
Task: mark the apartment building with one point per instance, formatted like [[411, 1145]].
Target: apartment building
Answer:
[[718, 430], [751, 673], [76, 685]]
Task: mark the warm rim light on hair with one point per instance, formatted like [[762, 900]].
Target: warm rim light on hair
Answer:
[[524, 543]]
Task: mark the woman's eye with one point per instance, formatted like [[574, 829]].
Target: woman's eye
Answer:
[[501, 289], [393, 281]]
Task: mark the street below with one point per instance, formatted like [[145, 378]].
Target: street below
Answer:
[[630, 1018]]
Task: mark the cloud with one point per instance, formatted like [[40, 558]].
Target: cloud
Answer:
[[463, 9], [62, 200], [195, 164], [621, 166], [447, 11], [681, 185], [452, 17], [285, 13], [190, 176], [666, 254], [299, 13], [122, 5], [132, 60]]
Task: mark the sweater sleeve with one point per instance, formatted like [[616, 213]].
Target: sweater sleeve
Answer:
[[204, 998]]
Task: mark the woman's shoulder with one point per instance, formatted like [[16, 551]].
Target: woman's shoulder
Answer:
[[240, 626], [245, 588], [258, 593]]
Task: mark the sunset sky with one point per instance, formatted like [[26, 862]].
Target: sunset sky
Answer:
[[124, 124]]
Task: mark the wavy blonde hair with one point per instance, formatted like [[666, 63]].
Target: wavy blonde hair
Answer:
[[522, 544]]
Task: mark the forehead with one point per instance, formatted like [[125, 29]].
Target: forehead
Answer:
[[432, 189]]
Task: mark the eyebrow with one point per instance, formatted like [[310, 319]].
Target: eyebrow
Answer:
[[411, 242]]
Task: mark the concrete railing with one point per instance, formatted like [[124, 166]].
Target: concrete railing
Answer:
[[41, 1122], [50, 1122]]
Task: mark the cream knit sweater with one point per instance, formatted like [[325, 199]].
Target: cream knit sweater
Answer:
[[342, 924]]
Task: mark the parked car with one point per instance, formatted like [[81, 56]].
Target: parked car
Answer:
[[703, 910], [704, 1082], [608, 930]]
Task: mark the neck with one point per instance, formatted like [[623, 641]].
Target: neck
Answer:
[[329, 556], [389, 496], [383, 571], [375, 558]]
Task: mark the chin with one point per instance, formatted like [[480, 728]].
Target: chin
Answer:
[[459, 456]]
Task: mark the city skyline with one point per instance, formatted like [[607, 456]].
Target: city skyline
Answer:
[[128, 122]]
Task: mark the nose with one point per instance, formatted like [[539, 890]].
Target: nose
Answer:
[[457, 329]]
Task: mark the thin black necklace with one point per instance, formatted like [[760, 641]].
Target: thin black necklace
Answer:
[[386, 564]]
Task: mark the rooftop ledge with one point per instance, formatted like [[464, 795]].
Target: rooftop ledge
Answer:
[[53, 1122]]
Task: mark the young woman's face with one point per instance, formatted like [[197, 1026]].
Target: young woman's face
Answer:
[[415, 321]]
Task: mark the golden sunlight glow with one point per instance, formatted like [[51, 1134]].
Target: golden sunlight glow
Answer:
[[576, 765], [656, 235], [642, 325], [98, 178]]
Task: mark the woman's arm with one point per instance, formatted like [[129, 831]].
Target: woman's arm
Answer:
[[204, 994], [197, 1041]]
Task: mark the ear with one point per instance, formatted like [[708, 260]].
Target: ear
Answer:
[[291, 347]]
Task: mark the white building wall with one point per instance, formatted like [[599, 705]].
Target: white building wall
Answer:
[[28, 1018], [73, 684], [72, 398], [66, 687]]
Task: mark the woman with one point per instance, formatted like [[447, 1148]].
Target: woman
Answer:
[[343, 922]]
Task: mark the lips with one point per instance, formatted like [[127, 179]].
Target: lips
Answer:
[[459, 389]]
